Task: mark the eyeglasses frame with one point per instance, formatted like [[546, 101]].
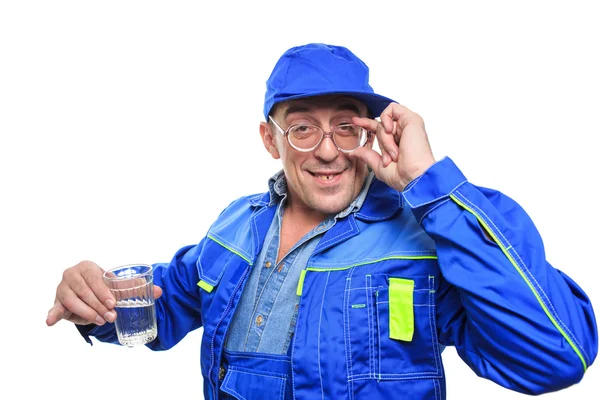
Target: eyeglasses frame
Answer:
[[286, 133]]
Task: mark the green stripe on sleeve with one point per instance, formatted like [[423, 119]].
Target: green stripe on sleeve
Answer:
[[522, 274]]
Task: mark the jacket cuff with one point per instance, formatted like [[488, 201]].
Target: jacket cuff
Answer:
[[86, 331], [433, 187]]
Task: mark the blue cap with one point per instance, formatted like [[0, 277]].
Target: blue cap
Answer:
[[318, 69]]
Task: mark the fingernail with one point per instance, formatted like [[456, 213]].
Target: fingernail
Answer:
[[386, 159], [110, 316], [393, 155], [110, 303], [100, 321]]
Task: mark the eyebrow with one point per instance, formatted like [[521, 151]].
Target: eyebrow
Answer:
[[342, 107]]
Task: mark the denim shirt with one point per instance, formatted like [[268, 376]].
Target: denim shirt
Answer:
[[265, 318]]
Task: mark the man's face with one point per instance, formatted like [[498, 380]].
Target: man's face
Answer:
[[323, 180]]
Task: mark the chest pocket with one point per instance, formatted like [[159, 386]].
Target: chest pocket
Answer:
[[392, 334]]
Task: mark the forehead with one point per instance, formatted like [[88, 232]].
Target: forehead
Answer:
[[314, 104]]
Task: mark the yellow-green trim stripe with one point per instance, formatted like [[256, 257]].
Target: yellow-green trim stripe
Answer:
[[230, 249], [206, 286], [304, 271], [401, 313], [300, 283], [373, 262], [520, 271]]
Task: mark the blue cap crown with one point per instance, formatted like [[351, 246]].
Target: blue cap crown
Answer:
[[318, 69]]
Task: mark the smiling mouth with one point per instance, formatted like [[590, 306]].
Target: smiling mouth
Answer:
[[324, 177]]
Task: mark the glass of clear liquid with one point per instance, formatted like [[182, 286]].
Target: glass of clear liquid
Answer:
[[132, 287]]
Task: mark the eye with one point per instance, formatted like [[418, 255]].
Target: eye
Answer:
[[301, 128], [347, 129], [303, 131]]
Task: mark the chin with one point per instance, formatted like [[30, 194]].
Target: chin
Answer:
[[330, 207]]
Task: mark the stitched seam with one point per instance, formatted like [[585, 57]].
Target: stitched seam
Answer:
[[349, 282], [413, 183], [416, 255], [346, 340], [367, 301], [319, 337], [436, 199], [225, 389], [232, 248], [244, 371], [293, 344], [432, 208], [395, 376], [378, 367], [259, 357], [407, 374], [528, 277], [373, 287], [345, 233], [548, 302], [431, 326], [436, 388]]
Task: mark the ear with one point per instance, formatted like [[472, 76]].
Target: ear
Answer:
[[269, 141]]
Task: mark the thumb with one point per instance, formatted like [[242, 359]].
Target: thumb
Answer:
[[56, 313], [373, 159], [157, 292]]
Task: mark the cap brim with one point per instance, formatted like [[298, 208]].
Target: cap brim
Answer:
[[375, 103]]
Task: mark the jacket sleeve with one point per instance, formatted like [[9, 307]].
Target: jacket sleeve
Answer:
[[177, 310], [513, 318]]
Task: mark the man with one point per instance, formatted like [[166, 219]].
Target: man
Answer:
[[352, 273]]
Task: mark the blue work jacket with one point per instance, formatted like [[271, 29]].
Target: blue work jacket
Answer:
[[443, 263]]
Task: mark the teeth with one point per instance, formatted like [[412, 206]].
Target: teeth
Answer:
[[325, 177]]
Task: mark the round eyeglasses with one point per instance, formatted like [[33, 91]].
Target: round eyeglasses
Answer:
[[307, 137]]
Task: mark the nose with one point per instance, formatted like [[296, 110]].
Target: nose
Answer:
[[327, 150]]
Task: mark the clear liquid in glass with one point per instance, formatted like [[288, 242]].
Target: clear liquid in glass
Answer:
[[136, 322]]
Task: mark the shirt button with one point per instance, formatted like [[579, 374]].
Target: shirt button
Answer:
[[268, 264], [221, 373], [259, 320]]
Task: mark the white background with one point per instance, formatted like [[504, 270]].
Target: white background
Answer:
[[122, 121]]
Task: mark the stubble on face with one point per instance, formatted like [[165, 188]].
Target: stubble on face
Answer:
[[324, 181]]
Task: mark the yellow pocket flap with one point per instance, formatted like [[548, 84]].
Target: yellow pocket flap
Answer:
[[402, 319]]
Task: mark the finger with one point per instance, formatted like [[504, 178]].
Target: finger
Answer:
[[389, 152], [89, 286], [367, 123], [388, 121], [56, 313], [157, 292], [387, 142], [374, 160], [385, 157], [86, 281], [81, 311], [95, 281], [77, 296], [394, 112]]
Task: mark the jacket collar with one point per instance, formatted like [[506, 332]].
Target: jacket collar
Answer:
[[381, 203]]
